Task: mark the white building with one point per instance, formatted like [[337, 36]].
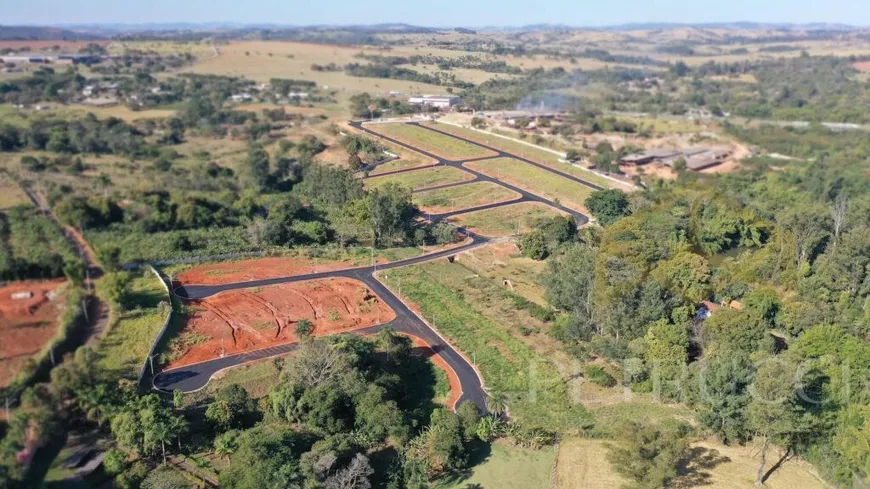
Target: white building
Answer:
[[439, 101]]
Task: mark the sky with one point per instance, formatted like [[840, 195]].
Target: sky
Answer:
[[475, 13]]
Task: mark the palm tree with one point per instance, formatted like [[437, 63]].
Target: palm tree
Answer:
[[496, 403], [226, 444]]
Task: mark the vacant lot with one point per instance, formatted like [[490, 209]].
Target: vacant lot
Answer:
[[507, 467], [582, 464], [424, 178], [269, 267], [525, 151], [535, 180], [129, 339], [444, 146], [243, 320], [503, 261], [462, 197], [505, 221], [469, 311], [29, 313]]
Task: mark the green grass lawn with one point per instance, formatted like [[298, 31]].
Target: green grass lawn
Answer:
[[532, 153], [128, 340], [401, 164], [505, 221], [431, 141], [508, 467], [427, 177], [462, 197], [537, 395], [257, 378], [535, 180]]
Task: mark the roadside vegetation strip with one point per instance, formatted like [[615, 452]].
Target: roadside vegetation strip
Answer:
[[462, 197], [529, 151], [139, 320], [534, 390], [535, 180], [503, 221], [425, 177], [433, 142], [398, 165]]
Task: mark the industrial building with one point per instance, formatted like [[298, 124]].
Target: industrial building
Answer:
[[438, 101], [696, 157]]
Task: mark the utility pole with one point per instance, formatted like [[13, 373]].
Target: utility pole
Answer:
[[151, 361]]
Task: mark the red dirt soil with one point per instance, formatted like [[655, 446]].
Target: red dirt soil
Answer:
[[26, 325], [258, 268], [237, 321], [862, 66]]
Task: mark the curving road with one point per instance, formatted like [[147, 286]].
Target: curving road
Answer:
[[193, 377]]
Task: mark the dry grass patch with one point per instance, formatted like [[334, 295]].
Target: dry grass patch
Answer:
[[431, 141], [426, 177], [11, 194], [535, 180], [462, 197], [505, 221]]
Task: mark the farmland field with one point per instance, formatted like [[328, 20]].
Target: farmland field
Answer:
[[508, 467], [462, 197], [427, 177], [431, 141], [505, 221], [535, 180]]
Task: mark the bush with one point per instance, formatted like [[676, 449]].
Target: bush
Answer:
[[598, 376]]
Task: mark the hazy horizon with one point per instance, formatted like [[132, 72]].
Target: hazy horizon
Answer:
[[451, 13]]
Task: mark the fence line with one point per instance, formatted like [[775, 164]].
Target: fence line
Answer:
[[153, 351]]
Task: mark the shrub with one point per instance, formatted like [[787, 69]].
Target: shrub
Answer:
[[598, 376]]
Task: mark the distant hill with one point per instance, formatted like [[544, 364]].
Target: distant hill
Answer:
[[42, 33]]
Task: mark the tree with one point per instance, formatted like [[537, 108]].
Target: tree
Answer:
[[649, 455], [608, 205], [687, 275], [723, 379], [254, 173], [226, 444], [233, 408], [354, 476], [304, 328], [534, 245], [666, 353], [775, 414], [118, 287]]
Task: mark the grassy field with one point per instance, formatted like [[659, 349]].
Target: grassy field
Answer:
[[582, 464], [535, 390], [504, 262], [508, 467], [535, 180], [427, 177], [535, 154], [431, 141], [129, 338], [11, 194], [257, 378], [505, 221], [462, 197]]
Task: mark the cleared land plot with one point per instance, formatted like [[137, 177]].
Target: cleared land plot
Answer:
[[426, 177], [28, 321], [431, 141], [129, 339], [503, 261], [400, 164], [11, 194], [508, 467], [505, 221], [462, 197], [243, 320], [535, 180], [535, 154], [582, 464], [444, 294]]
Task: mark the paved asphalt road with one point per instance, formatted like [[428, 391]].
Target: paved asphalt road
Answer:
[[196, 376]]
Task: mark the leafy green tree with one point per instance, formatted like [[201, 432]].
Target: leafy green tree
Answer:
[[233, 408], [534, 245], [254, 173], [118, 287], [649, 455], [608, 205], [226, 444], [723, 381], [165, 477], [304, 328], [265, 457]]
